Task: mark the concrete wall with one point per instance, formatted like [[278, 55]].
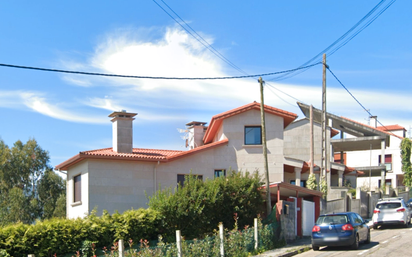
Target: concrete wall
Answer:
[[121, 185], [250, 157], [287, 221], [297, 141], [77, 209], [334, 206]]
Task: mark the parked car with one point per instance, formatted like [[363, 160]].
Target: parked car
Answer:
[[409, 205], [391, 211], [340, 229]]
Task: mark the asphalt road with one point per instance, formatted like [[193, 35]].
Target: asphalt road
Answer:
[[388, 241]]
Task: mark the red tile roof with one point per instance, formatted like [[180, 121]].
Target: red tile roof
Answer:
[[391, 128], [218, 119], [381, 130], [138, 154]]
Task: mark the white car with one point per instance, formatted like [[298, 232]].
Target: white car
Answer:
[[391, 211]]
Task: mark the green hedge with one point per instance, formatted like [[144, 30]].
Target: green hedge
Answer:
[[195, 208], [62, 236]]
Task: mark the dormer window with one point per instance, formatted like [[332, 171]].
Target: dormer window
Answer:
[[253, 135]]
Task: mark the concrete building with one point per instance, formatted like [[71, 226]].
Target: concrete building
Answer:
[[119, 177]]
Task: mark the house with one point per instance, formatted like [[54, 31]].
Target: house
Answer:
[[359, 149], [370, 160], [119, 177]]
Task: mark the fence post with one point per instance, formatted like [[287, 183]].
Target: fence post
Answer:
[[256, 232], [222, 247], [121, 248], [179, 243]]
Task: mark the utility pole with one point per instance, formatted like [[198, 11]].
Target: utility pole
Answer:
[[324, 125], [265, 152], [311, 140]]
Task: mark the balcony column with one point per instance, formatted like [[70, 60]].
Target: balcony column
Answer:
[[383, 171], [297, 176]]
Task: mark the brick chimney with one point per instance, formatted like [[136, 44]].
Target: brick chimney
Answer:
[[122, 131]]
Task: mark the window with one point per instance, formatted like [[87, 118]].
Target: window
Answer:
[[388, 161], [220, 173], [181, 178], [253, 135], [302, 182], [77, 188]]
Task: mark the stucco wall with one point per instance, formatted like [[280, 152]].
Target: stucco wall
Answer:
[[79, 209]]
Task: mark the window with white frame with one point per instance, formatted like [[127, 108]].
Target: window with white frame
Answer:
[[388, 161]]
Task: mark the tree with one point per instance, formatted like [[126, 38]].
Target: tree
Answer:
[[29, 189], [406, 161], [50, 188]]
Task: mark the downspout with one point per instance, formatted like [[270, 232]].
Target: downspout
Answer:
[[155, 176]]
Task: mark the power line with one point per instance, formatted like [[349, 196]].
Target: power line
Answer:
[[209, 46], [213, 50], [367, 110], [199, 38], [151, 77], [317, 57]]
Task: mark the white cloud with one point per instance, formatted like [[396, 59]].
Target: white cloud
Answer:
[[176, 54], [38, 102]]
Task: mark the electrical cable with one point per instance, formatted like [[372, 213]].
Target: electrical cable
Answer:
[[213, 50], [150, 77], [376, 7], [205, 43], [367, 110]]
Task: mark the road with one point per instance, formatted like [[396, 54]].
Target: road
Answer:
[[389, 241]]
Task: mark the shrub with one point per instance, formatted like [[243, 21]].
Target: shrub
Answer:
[[207, 203]]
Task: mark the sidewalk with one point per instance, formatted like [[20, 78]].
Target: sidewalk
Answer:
[[291, 249]]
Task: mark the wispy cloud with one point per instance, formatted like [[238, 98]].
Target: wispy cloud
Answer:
[[176, 54]]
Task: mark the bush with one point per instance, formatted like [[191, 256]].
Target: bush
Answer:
[[197, 207], [70, 235]]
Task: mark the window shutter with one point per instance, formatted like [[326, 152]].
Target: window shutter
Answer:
[[77, 188]]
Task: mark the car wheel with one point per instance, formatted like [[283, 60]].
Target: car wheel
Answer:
[[375, 227], [315, 248], [355, 244], [368, 239]]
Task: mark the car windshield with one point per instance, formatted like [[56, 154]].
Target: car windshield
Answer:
[[388, 205], [332, 219]]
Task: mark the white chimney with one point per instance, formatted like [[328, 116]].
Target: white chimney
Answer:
[[373, 121], [196, 131], [122, 131]]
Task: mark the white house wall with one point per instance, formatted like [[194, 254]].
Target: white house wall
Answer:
[[250, 157], [121, 185], [75, 210]]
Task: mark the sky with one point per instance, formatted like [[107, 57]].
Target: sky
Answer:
[[68, 113]]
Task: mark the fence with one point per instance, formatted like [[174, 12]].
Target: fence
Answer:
[[223, 243]]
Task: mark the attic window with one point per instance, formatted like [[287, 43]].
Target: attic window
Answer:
[[253, 135]]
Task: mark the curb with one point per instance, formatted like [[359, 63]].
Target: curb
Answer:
[[295, 252]]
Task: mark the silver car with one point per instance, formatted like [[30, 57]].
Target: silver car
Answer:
[[391, 211]]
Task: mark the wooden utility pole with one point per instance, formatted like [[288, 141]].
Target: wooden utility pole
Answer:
[[311, 160], [324, 125], [265, 152]]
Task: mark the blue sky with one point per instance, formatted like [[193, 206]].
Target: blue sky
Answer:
[[68, 113]]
